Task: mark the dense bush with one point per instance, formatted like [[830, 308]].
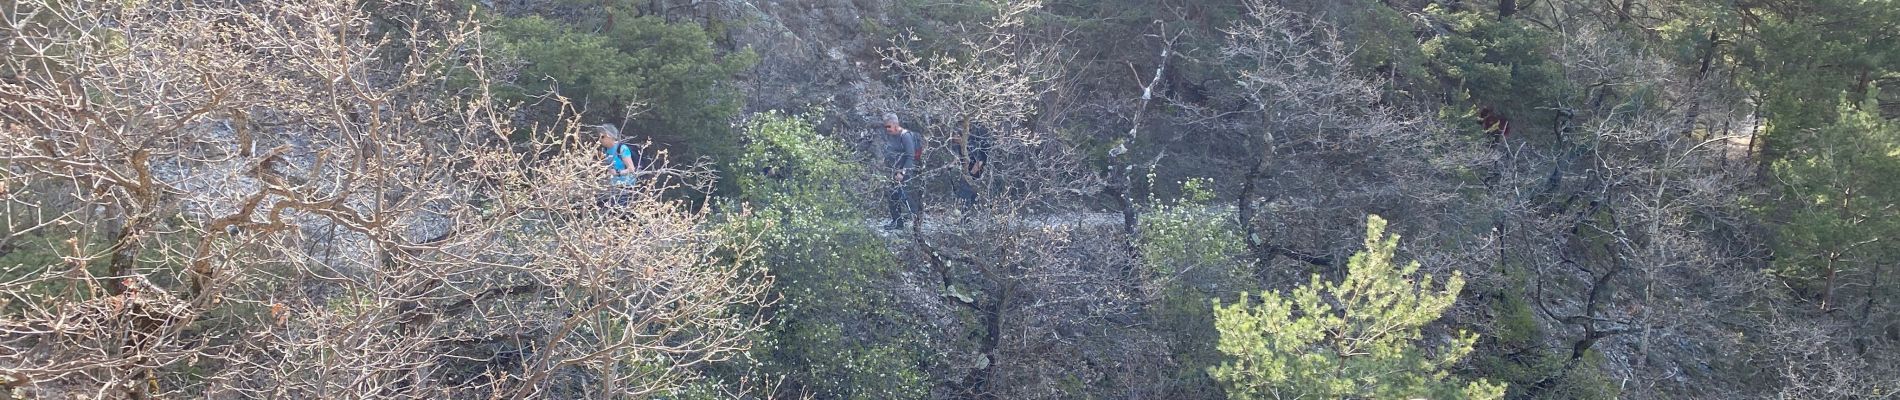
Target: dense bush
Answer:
[[1499, 64], [1844, 214], [1354, 338], [665, 80], [29, 256], [185, 169], [1194, 255], [836, 331]]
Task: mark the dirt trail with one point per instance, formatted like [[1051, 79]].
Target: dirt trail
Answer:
[[943, 223]]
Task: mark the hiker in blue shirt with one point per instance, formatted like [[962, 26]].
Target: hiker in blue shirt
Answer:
[[623, 163], [903, 150]]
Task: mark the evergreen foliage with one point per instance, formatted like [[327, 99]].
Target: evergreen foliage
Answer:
[[1842, 209], [1590, 239], [1193, 254], [664, 78], [1493, 63], [1187, 236], [1799, 59], [25, 257], [1354, 338], [836, 332]]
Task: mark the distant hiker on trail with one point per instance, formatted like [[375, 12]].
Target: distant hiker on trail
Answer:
[[902, 151], [976, 157], [623, 162]]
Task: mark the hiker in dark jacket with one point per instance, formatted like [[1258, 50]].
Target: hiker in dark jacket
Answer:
[[902, 151], [975, 153]]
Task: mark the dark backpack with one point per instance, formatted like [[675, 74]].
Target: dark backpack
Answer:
[[916, 156], [633, 153]]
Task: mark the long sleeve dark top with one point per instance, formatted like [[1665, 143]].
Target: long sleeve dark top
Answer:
[[979, 150], [900, 150]]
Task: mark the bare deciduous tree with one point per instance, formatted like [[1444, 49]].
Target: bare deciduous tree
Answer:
[[1616, 220], [1027, 253], [317, 198], [995, 77], [1328, 148]]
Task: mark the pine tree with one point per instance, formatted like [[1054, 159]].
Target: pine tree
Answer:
[[1841, 205], [1356, 338], [665, 80]]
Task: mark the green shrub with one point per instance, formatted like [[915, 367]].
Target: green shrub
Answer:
[[1189, 235], [1839, 216], [1194, 253], [1501, 64], [837, 332], [26, 257], [668, 74], [1516, 354], [1352, 338]]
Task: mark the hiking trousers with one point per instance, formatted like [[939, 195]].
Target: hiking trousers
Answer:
[[901, 200], [966, 190]]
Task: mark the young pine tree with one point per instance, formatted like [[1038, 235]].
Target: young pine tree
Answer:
[[1356, 338]]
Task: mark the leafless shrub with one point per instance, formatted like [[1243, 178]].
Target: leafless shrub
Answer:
[[283, 199], [1328, 147], [1621, 221], [992, 77], [1813, 363], [1027, 253]]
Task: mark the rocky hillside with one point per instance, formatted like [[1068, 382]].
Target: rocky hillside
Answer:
[[1124, 199]]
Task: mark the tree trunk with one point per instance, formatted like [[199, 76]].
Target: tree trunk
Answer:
[[1121, 184], [1695, 103], [983, 379], [1119, 169], [1244, 207], [606, 7], [1873, 292]]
